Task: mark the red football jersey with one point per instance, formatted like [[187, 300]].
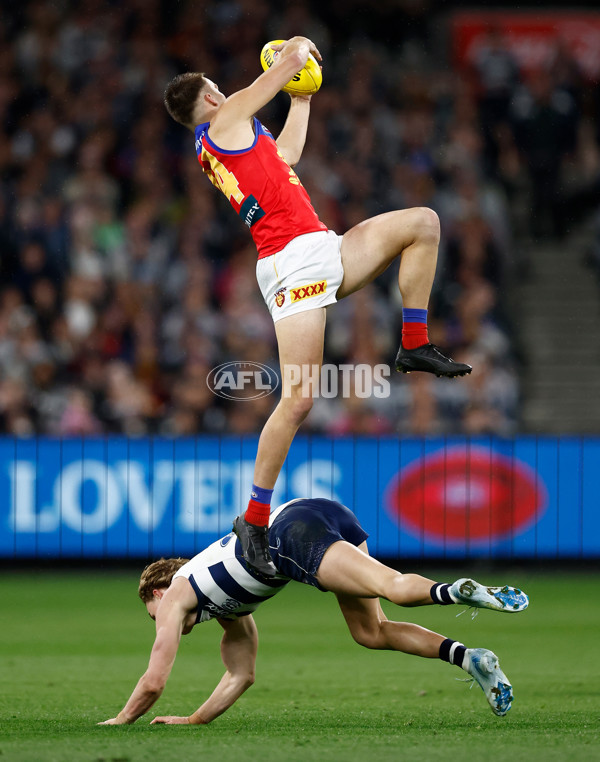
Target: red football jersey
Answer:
[[262, 188]]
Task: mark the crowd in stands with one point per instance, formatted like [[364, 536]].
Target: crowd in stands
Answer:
[[125, 277]]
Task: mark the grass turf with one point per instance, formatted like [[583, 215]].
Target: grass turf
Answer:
[[73, 645]]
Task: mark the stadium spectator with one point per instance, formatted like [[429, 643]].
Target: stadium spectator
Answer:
[[497, 76], [545, 122]]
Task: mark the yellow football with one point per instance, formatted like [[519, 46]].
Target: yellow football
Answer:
[[306, 82]]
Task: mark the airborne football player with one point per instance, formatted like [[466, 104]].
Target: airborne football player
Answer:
[[302, 267]]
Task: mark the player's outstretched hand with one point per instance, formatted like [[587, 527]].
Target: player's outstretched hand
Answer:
[[171, 721], [312, 48]]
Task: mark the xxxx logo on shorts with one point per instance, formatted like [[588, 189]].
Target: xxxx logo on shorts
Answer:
[[305, 292], [280, 297]]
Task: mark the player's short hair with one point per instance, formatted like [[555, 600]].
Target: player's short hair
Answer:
[[158, 575], [181, 96]]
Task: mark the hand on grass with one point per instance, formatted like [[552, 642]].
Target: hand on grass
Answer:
[[114, 721], [171, 721]]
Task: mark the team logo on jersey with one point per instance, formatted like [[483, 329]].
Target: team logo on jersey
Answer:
[[280, 297], [305, 292], [228, 606]]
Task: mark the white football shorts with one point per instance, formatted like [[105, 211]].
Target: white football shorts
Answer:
[[304, 275]]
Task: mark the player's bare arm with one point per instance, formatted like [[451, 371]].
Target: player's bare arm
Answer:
[[173, 610], [238, 652], [231, 127], [293, 135]]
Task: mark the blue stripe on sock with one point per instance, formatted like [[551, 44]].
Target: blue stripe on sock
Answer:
[[261, 495], [413, 315]]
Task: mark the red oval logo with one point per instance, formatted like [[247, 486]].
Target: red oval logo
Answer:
[[469, 494]]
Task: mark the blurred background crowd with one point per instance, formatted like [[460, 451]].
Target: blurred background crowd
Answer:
[[125, 277]]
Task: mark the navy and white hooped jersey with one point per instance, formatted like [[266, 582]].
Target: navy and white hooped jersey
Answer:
[[300, 533], [223, 583]]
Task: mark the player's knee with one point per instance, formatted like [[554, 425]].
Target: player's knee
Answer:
[[395, 590], [297, 407], [428, 225], [367, 637]]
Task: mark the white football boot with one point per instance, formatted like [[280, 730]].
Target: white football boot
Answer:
[[484, 668], [471, 593]]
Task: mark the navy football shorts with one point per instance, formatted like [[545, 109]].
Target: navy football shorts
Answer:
[[302, 532]]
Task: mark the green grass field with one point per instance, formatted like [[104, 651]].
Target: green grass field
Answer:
[[73, 645]]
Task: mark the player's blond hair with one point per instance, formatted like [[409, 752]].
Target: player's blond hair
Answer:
[[158, 575]]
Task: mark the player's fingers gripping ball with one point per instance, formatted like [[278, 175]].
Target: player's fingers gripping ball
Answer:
[[306, 82]]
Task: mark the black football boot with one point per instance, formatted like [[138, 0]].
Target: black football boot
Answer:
[[255, 546], [429, 359]]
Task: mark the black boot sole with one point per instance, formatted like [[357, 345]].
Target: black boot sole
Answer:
[[436, 371]]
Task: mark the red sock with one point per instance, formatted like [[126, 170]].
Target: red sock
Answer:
[[258, 513], [414, 335]]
